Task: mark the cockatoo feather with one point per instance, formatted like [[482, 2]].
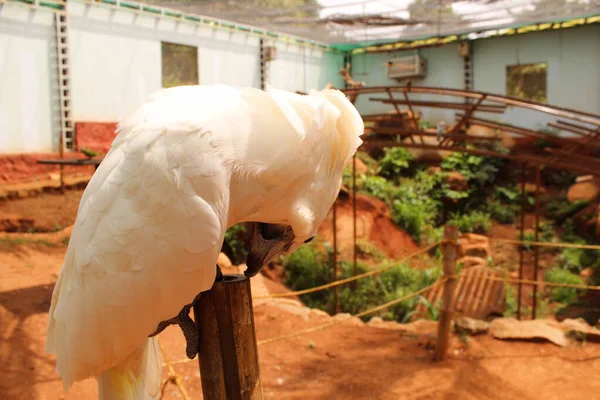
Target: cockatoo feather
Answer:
[[184, 167]]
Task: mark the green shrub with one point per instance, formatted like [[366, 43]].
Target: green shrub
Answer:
[[563, 295], [559, 209], [366, 249], [474, 221], [395, 162], [234, 244], [311, 266], [477, 170], [503, 213], [510, 304], [376, 186]]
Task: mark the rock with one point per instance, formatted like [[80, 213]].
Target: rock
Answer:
[[223, 261], [456, 181], [375, 321], [588, 272], [361, 167], [470, 261], [475, 245], [587, 190], [580, 329], [471, 325], [510, 328]]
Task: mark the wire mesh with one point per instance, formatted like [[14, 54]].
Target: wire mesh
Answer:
[[375, 21]]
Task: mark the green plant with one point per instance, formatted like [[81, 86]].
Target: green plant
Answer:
[[474, 221], [311, 266], [366, 249], [503, 213], [234, 244], [563, 295], [510, 304], [560, 209], [376, 186], [395, 162], [477, 170]]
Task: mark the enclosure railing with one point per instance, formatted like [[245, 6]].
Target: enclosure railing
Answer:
[[449, 280]]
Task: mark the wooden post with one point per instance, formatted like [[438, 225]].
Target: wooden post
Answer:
[[522, 230], [536, 249], [228, 353], [354, 247], [334, 306], [450, 250]]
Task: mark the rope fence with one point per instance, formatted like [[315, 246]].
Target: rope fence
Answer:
[[350, 279], [546, 244], [446, 279], [341, 320]]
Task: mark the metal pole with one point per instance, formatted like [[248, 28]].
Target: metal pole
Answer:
[[521, 249], [536, 250], [354, 284], [228, 353], [335, 263], [450, 250]]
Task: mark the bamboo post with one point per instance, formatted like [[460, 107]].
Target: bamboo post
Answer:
[[334, 307], [536, 249], [522, 230], [354, 247], [450, 250], [228, 353]]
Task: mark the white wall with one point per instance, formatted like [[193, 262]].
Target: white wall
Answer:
[[28, 83], [116, 58], [573, 80], [444, 69], [573, 75], [302, 68]]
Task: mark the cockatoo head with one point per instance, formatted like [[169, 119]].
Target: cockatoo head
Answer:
[[307, 182]]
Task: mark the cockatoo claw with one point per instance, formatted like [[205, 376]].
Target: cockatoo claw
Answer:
[[186, 324]]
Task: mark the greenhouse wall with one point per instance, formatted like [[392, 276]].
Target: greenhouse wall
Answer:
[[572, 76], [117, 60], [28, 120]]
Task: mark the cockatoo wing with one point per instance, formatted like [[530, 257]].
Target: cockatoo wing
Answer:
[[145, 241]]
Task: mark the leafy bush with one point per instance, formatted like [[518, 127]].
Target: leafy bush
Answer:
[[234, 244], [311, 266], [562, 294], [503, 213], [507, 195], [477, 170], [376, 186], [474, 221], [395, 162], [546, 234], [559, 209], [510, 305], [366, 249]]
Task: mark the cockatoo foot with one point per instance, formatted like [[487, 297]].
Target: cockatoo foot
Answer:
[[188, 328], [186, 324]]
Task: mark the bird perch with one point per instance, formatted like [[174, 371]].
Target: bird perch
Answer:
[[228, 353]]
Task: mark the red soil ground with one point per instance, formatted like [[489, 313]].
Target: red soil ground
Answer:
[[345, 361]]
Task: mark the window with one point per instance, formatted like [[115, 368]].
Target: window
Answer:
[[527, 81], [179, 65]]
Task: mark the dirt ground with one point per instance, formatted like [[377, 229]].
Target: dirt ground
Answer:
[[348, 360]]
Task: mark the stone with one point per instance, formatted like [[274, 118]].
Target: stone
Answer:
[[587, 190], [510, 328], [223, 261], [475, 245], [580, 329], [471, 326]]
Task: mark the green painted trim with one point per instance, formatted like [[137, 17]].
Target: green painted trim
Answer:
[[563, 23]]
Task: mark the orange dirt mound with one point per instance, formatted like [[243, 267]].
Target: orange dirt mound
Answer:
[[372, 224]]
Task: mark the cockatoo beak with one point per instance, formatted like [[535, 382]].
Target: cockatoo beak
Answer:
[[268, 241]]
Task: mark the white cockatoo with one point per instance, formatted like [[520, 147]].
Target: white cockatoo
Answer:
[[184, 167]]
